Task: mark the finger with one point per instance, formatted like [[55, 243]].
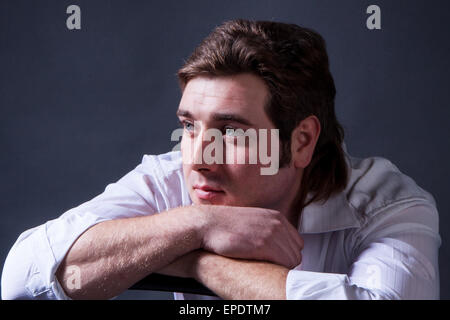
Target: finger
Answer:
[[294, 252], [295, 235], [286, 240], [285, 250]]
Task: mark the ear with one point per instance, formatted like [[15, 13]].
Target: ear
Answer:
[[303, 141]]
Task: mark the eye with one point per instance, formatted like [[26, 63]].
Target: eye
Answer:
[[233, 132], [187, 125]]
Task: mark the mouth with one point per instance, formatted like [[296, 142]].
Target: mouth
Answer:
[[206, 192]]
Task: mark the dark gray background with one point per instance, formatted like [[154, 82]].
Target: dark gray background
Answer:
[[79, 109]]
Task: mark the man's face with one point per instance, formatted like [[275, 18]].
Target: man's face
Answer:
[[231, 102]]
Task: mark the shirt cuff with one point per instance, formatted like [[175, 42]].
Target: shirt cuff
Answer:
[[58, 291], [307, 285]]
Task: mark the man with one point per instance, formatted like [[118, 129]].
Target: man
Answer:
[[325, 226]]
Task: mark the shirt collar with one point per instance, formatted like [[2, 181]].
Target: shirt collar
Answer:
[[334, 214]]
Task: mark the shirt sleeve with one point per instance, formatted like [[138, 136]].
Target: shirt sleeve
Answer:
[[395, 256], [29, 269]]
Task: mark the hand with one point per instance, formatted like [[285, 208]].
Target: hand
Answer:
[[251, 233]]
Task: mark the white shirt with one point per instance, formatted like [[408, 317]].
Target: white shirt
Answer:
[[378, 239]]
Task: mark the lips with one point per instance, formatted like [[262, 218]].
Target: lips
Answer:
[[206, 187], [206, 192]]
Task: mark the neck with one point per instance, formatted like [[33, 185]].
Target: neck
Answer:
[[293, 210]]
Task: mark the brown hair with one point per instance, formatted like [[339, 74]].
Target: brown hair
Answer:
[[293, 63]]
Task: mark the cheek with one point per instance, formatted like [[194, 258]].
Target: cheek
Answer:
[[244, 176], [249, 188], [187, 150], [186, 173], [241, 152]]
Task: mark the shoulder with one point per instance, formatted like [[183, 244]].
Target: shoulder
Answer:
[[389, 204], [375, 184], [165, 164], [165, 171]]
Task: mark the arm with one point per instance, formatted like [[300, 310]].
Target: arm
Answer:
[[396, 259], [240, 279], [126, 250], [118, 237], [113, 255], [30, 267]]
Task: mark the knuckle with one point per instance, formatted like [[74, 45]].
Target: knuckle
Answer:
[[294, 264], [277, 215], [268, 231], [302, 243], [271, 231], [276, 224], [289, 264], [273, 214], [270, 211], [259, 242], [265, 241], [298, 260]]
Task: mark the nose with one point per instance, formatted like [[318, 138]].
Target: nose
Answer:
[[204, 151]]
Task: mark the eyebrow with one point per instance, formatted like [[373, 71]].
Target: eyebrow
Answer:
[[218, 117]]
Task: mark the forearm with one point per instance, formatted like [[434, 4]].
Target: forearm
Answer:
[[113, 255], [240, 279]]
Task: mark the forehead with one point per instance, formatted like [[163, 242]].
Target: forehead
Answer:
[[243, 94]]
